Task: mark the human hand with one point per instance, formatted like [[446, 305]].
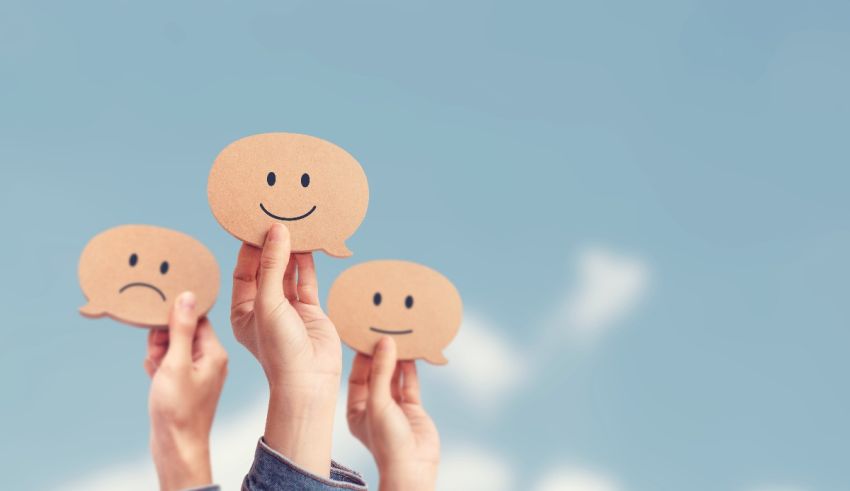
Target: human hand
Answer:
[[278, 318], [187, 366], [385, 413]]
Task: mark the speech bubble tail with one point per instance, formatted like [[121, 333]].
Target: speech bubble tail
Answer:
[[339, 250], [91, 310], [436, 359]]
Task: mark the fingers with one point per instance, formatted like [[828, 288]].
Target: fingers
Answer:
[[358, 383], [157, 347], [308, 286], [273, 263], [208, 347], [383, 367], [181, 329], [395, 384], [289, 278], [150, 369], [245, 277], [410, 386], [157, 343]]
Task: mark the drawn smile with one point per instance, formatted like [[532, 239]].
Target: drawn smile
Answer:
[[386, 331], [287, 219], [143, 285]]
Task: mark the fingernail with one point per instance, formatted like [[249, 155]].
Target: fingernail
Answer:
[[275, 233], [187, 301], [383, 344]]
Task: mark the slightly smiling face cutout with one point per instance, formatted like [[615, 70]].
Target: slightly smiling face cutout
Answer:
[[133, 273], [378, 299], [315, 188], [417, 306], [271, 180]]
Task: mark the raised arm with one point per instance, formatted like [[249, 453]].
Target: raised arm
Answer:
[[276, 315], [385, 412], [187, 366]]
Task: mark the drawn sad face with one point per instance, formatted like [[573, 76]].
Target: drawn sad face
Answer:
[[315, 188], [133, 273], [417, 306]]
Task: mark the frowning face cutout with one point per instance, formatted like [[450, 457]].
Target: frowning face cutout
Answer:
[[417, 306], [133, 273], [315, 188]]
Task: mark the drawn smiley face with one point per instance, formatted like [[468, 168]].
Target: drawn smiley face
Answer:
[[317, 189], [133, 273], [417, 306], [271, 180]]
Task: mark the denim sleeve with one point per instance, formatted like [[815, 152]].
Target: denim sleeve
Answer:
[[211, 487], [272, 471]]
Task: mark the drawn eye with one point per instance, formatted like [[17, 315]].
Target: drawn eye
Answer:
[[305, 180], [408, 302], [271, 178], [377, 298], [133, 259], [163, 268]]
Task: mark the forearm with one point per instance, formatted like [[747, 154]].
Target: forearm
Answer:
[[301, 428], [180, 463]]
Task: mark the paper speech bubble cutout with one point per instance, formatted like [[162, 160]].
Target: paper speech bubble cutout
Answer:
[[133, 273], [315, 188], [419, 307]]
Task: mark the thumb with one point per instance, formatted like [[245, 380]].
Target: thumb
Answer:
[[383, 367], [181, 329], [273, 261]]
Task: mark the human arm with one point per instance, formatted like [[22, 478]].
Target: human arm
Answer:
[[187, 366], [385, 412], [275, 314]]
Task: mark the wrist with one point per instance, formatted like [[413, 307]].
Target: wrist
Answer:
[[304, 385], [299, 425], [306, 392], [181, 463]]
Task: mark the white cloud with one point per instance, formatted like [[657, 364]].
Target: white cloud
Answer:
[[135, 475], [575, 479], [486, 366], [609, 287], [233, 442], [472, 468], [483, 364]]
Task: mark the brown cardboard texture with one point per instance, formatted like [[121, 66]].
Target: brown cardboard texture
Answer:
[[133, 273], [317, 189], [417, 306]]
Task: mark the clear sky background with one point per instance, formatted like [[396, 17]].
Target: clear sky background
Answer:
[[643, 204]]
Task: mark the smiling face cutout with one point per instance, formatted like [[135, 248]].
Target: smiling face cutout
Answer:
[[315, 188], [133, 273], [417, 306]]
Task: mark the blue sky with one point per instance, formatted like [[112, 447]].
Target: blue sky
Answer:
[[697, 150]]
